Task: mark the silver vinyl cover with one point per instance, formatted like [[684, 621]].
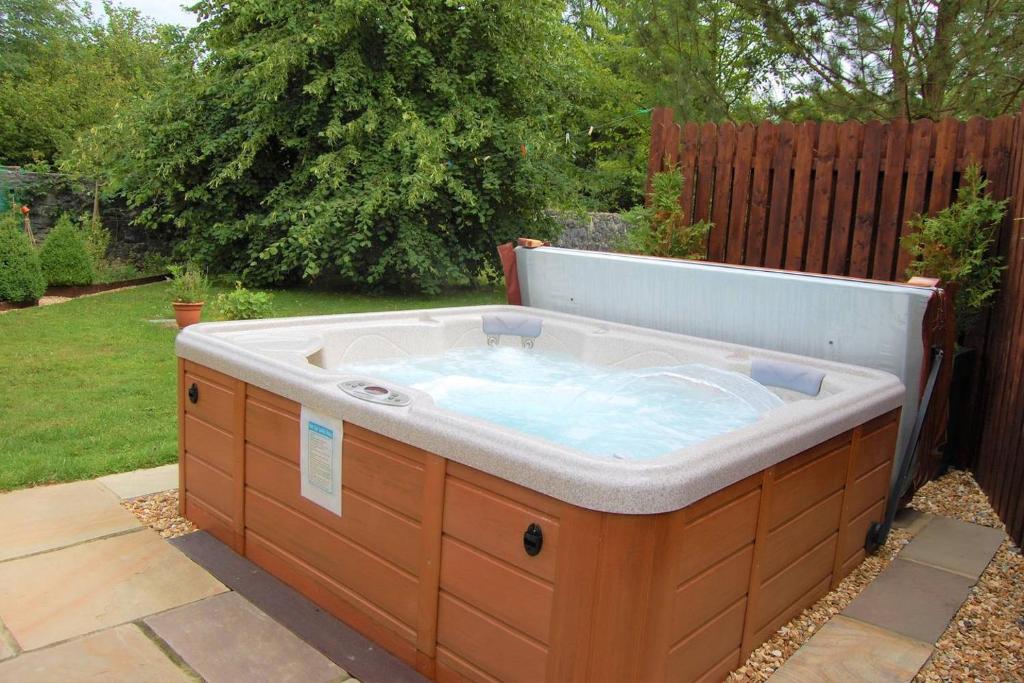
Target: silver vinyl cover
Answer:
[[872, 324]]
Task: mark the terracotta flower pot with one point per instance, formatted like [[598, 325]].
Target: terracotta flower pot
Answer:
[[187, 313]]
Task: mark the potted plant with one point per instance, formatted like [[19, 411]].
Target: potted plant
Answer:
[[956, 245], [189, 288]]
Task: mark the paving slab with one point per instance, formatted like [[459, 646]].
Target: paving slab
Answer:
[[117, 655], [70, 592], [911, 520], [849, 651], [142, 482], [911, 599], [956, 546], [7, 646], [225, 639], [50, 517], [347, 648]]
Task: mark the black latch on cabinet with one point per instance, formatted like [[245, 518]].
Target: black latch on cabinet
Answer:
[[193, 393], [533, 539]]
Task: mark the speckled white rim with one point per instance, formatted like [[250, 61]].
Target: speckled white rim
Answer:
[[281, 356]]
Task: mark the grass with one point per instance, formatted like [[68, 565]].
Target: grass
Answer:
[[89, 385]]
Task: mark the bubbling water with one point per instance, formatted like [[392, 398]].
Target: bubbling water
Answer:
[[600, 410]]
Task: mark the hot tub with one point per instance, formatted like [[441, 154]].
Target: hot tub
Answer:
[[473, 537]]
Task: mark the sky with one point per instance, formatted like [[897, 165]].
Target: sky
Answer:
[[163, 11]]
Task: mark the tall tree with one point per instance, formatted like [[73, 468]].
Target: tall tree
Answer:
[[64, 71], [708, 59], [367, 143], [911, 58]]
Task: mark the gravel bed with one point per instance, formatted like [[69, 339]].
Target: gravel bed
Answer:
[[50, 300], [47, 300], [957, 495], [763, 661], [159, 512], [985, 640]]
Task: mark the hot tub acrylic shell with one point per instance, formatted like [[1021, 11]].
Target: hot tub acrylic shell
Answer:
[[428, 557]]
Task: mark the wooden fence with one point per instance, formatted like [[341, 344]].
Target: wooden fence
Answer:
[[1000, 463], [823, 197], [835, 198]]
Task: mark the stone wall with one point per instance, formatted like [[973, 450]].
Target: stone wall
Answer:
[[49, 195], [591, 231]]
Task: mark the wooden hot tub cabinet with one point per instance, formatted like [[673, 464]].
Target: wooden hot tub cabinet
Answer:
[[428, 558]]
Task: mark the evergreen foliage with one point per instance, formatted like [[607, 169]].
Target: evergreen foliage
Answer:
[[64, 256], [21, 278]]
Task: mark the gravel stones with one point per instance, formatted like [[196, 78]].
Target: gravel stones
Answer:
[[985, 640], [159, 512], [763, 661]]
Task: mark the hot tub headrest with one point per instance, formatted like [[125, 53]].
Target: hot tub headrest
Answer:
[[775, 373], [502, 324]]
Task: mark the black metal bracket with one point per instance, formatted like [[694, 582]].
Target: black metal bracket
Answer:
[[878, 532]]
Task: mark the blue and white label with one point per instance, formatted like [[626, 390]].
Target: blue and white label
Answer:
[[320, 466]]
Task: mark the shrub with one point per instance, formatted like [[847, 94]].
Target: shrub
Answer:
[[243, 304], [11, 219], [21, 279], [64, 257], [658, 229], [97, 238], [189, 284], [955, 245]]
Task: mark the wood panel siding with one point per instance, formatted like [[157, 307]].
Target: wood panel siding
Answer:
[[211, 492], [427, 558]]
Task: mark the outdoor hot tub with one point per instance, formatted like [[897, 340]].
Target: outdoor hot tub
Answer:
[[510, 493]]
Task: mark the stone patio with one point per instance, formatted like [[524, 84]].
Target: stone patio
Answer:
[[88, 594], [142, 482], [889, 631]]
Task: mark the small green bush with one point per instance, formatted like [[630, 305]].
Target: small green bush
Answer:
[[956, 245], [64, 256], [21, 279], [189, 284], [659, 230], [97, 238], [243, 304]]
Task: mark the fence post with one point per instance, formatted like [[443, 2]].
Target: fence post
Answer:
[[661, 119]]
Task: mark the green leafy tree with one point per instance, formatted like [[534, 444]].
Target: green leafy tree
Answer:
[[30, 29], [910, 58], [63, 72], [708, 59], [368, 144]]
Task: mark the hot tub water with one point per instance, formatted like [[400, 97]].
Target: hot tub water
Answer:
[[600, 410]]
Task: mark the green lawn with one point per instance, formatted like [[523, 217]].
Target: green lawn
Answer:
[[88, 385]]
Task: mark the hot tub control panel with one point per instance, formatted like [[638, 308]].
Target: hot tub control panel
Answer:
[[374, 393]]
